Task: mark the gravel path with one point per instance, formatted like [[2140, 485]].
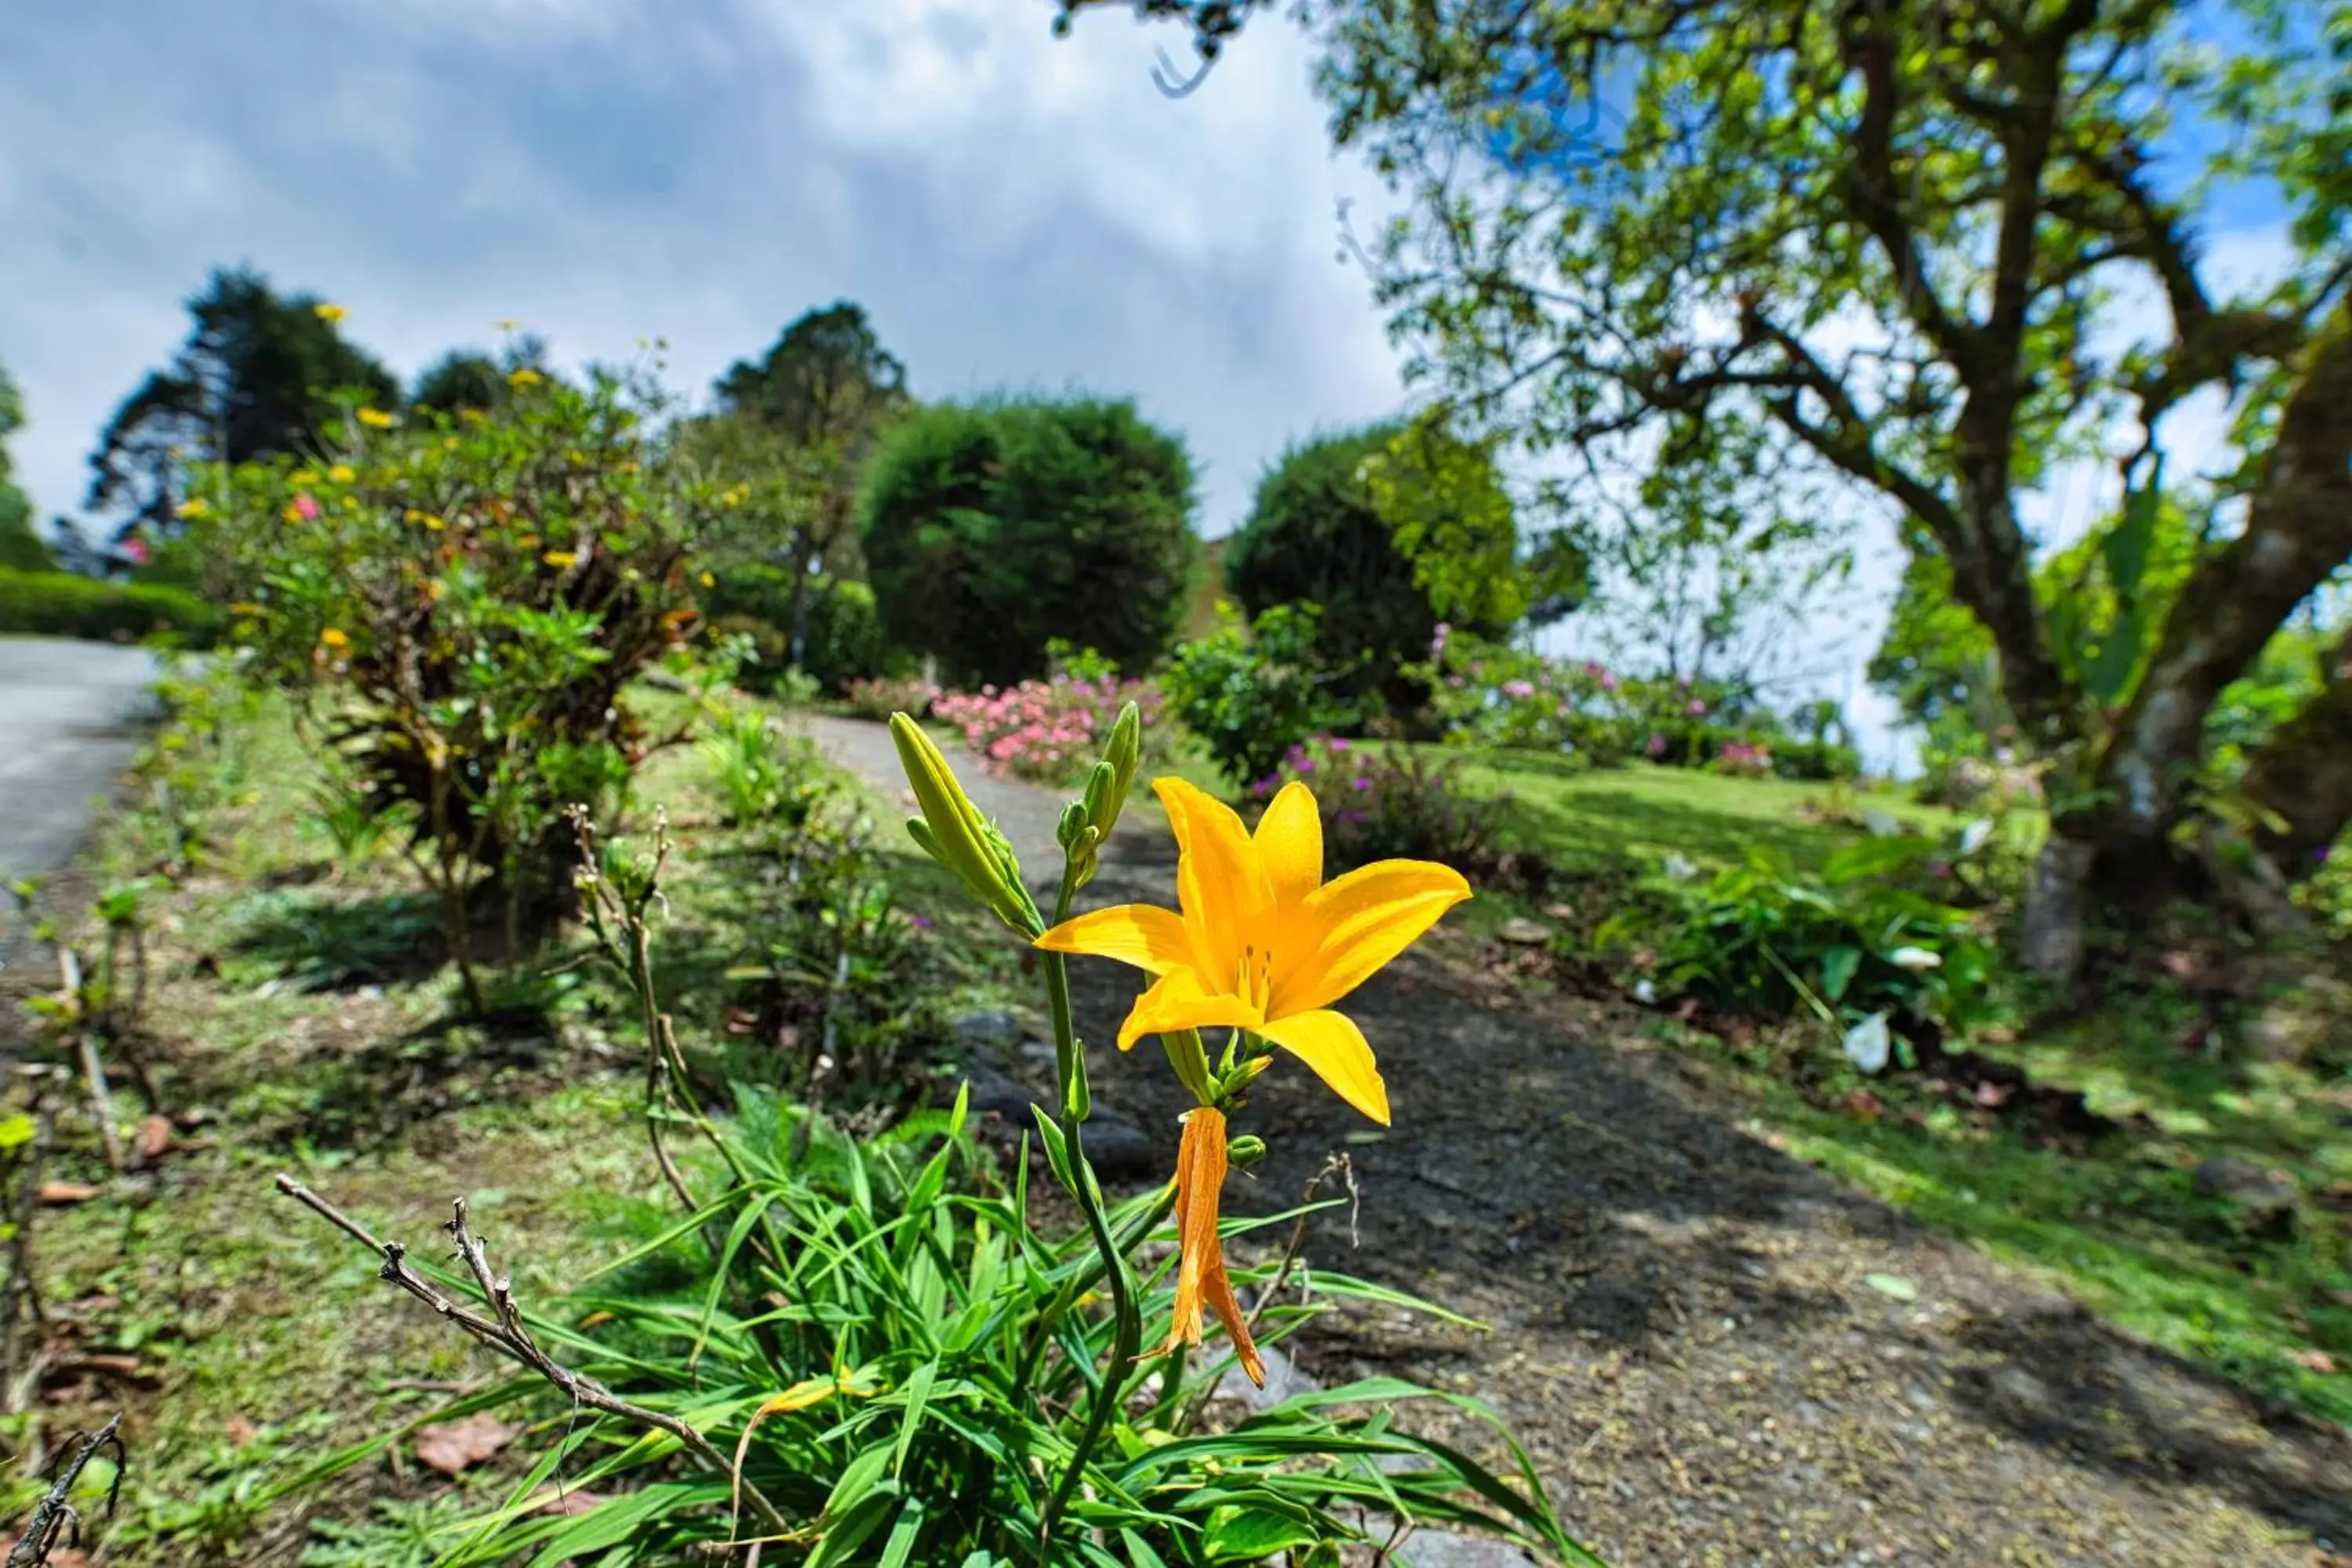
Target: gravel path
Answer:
[[1684, 1327]]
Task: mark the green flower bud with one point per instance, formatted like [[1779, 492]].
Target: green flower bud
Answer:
[[1120, 755], [952, 832], [1246, 1150]]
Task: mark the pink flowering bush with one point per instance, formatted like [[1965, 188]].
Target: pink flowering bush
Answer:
[[1489, 695], [1744, 759], [1049, 730], [1382, 802]]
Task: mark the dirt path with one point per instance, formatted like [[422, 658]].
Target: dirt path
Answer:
[[1683, 1331]]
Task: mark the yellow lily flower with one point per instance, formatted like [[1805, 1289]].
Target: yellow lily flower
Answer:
[[1263, 942]]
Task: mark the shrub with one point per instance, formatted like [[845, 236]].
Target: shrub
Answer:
[[991, 529], [59, 604], [843, 639], [1492, 695], [21, 549], [1251, 695], [1046, 730], [1391, 802], [1319, 533], [883, 696], [1762, 941], [461, 603]]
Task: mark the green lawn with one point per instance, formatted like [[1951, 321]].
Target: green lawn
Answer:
[[1577, 815]]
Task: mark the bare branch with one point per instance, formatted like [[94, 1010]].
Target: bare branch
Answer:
[[507, 1336]]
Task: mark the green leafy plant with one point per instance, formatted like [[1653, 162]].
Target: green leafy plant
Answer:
[[1764, 941], [1393, 802], [1252, 693], [58, 604], [764, 774]]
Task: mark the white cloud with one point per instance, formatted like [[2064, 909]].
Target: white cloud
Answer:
[[1013, 209]]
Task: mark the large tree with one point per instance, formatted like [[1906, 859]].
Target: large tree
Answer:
[[792, 431], [1932, 247], [257, 376]]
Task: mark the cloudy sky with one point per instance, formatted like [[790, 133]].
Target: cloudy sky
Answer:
[[1012, 209]]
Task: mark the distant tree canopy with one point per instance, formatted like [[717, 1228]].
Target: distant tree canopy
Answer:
[[256, 376], [469, 378], [827, 378], [1390, 529], [991, 529], [791, 436], [21, 549]]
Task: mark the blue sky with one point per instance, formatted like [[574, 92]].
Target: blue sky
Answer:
[[1012, 210]]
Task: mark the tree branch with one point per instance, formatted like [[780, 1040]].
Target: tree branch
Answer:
[[2298, 530], [506, 1334]]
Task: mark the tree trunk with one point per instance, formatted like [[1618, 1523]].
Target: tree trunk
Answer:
[[2053, 924], [2303, 774]]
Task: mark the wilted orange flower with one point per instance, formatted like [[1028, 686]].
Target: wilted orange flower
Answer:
[[1201, 1278]]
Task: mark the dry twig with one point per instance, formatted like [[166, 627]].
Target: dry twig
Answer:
[[54, 1515], [504, 1331]]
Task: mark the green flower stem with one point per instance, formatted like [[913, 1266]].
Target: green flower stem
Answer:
[[1127, 1335]]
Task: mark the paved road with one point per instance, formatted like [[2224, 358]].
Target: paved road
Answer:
[[70, 718]]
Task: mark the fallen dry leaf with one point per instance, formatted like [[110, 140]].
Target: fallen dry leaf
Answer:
[[240, 1431], [453, 1446], [155, 1136], [62, 1193], [571, 1501], [1862, 1102], [2319, 1362]]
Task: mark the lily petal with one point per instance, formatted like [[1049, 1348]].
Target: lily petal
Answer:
[[1356, 924], [1332, 1045], [1219, 882], [1151, 939], [1290, 841], [1176, 1001]]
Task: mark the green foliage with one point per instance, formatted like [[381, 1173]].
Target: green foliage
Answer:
[[891, 1403], [257, 378], [826, 381], [844, 641], [59, 604], [21, 549], [1250, 694], [764, 774], [469, 378], [1763, 941], [1389, 531], [991, 529]]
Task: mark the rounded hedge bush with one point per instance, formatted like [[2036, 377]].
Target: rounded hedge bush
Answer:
[[991, 529], [1317, 534]]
